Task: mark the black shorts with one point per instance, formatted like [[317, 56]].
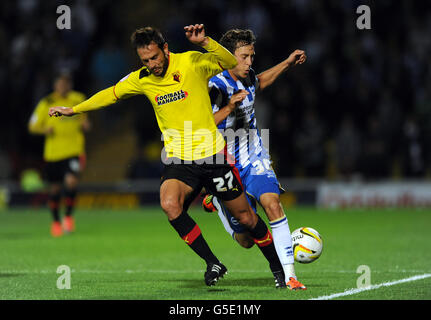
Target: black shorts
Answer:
[[56, 170], [221, 180]]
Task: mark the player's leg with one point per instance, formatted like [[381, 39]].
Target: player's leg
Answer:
[[262, 184], [280, 230], [54, 206], [225, 184], [257, 229], [175, 197], [270, 201], [70, 190], [54, 174], [73, 167], [231, 225]]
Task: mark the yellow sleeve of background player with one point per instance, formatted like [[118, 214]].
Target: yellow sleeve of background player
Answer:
[[37, 123], [217, 59], [125, 88]]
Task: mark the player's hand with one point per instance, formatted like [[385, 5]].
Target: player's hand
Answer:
[[196, 34], [60, 111], [236, 99], [297, 57]]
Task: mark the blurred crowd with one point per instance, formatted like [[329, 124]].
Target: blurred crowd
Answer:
[[359, 107]]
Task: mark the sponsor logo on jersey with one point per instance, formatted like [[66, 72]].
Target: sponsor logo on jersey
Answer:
[[171, 97]]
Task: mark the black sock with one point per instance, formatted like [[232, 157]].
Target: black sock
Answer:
[[70, 196], [54, 204], [263, 239], [190, 232]]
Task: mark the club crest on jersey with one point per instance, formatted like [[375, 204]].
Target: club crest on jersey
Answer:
[[171, 97], [177, 76]]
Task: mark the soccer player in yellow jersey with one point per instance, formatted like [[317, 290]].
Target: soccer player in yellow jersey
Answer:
[[64, 152], [195, 154]]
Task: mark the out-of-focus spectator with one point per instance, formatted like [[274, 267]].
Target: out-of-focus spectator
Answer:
[[5, 167], [347, 148], [147, 163], [423, 111], [375, 162], [310, 145], [412, 149], [109, 64], [84, 17]]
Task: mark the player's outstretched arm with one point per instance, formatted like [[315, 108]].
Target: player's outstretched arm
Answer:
[[196, 35], [101, 99], [267, 77], [234, 101]]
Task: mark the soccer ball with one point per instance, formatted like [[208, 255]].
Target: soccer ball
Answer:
[[307, 245]]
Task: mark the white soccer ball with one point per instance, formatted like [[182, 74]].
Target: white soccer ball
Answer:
[[307, 244]]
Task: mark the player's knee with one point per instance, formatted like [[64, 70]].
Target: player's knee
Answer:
[[71, 181], [55, 189], [247, 219], [172, 207], [274, 210]]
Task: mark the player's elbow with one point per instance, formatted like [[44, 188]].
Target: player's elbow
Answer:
[[32, 129], [228, 63], [232, 63], [263, 82]]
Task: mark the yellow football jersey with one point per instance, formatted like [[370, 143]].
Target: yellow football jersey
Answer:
[[180, 100], [67, 139]]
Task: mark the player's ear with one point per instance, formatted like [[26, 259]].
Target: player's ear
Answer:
[[165, 48]]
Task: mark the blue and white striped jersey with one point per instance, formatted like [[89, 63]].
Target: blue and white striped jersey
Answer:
[[243, 140]]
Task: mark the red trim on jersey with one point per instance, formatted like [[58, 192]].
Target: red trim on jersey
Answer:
[[236, 173], [192, 235], [113, 89], [231, 161], [221, 66]]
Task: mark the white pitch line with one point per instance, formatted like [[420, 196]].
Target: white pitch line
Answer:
[[12, 271], [350, 292]]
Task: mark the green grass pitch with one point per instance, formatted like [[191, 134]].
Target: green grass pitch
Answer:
[[135, 254]]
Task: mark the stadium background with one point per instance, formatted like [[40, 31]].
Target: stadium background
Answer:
[[358, 110]]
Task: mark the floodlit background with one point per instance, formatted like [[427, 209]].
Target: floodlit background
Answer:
[[359, 109]]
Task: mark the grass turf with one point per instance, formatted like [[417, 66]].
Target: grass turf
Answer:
[[128, 254]]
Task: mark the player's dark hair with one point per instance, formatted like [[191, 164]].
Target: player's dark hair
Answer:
[[63, 75], [142, 37], [235, 38]]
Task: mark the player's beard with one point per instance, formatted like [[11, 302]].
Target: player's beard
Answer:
[[164, 66]]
